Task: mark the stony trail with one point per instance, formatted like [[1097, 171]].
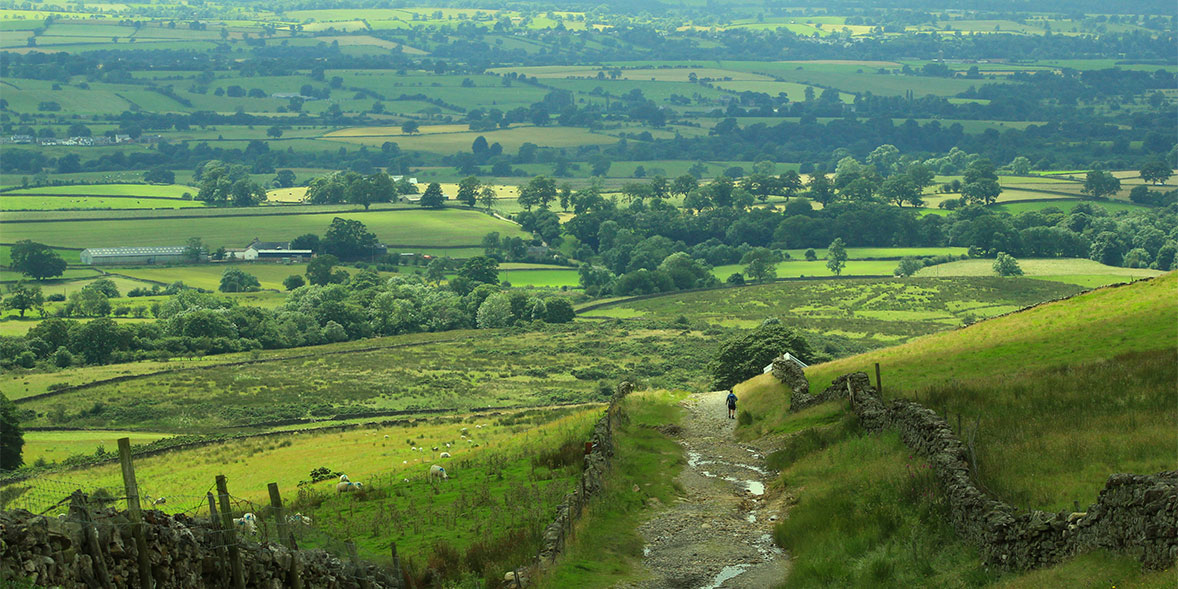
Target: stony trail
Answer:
[[718, 534]]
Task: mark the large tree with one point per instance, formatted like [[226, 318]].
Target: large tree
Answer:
[[468, 191], [744, 356], [238, 280], [481, 269], [1156, 172], [433, 198], [349, 239], [836, 256], [1100, 184], [36, 260], [538, 192], [24, 297]]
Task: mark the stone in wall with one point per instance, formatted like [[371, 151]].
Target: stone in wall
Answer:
[[791, 375]]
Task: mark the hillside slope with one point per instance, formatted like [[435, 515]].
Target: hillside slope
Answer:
[[1057, 397]]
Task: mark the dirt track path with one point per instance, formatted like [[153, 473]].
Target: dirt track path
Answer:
[[718, 534]]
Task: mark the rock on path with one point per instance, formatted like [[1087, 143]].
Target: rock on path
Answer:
[[718, 535]]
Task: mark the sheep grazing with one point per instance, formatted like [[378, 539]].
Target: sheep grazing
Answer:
[[247, 523], [445, 455], [463, 430], [346, 485], [436, 471], [160, 501], [447, 444], [435, 448], [386, 436], [298, 518]]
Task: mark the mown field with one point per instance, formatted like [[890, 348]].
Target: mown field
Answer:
[[1082, 272], [868, 312], [458, 371], [447, 227]]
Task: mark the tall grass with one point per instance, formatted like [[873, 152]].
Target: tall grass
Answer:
[[607, 547]]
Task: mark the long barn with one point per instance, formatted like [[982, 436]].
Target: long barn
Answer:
[[115, 256]]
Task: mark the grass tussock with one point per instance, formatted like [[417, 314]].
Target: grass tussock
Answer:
[[607, 548]]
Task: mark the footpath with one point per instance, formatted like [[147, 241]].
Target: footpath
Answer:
[[718, 534]]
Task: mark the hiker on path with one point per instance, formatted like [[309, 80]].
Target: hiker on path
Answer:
[[731, 405]]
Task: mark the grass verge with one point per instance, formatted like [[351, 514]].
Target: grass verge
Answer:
[[607, 548]]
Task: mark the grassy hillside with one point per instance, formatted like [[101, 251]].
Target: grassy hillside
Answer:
[[504, 482], [1063, 395]]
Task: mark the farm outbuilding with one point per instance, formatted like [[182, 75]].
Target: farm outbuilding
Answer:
[[115, 256]]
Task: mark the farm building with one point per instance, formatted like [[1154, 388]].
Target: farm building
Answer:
[[113, 256], [278, 251], [263, 255]]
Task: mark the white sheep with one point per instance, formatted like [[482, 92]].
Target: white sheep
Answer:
[[463, 430], [247, 523], [445, 455], [298, 518], [435, 448], [447, 444], [347, 487], [343, 478], [386, 436], [436, 471]]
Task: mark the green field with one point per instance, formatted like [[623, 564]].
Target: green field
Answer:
[[1079, 271], [499, 369], [152, 190], [519, 460], [10, 202], [868, 312], [423, 228]]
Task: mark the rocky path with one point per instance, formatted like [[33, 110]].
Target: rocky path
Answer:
[[718, 534]]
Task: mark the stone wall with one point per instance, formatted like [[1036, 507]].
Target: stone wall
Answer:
[[185, 553], [597, 462], [1134, 514]]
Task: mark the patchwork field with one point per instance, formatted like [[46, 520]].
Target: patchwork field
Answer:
[[498, 369], [867, 312], [1087, 273]]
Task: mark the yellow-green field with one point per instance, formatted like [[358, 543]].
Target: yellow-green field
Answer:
[[450, 141], [1084, 272]]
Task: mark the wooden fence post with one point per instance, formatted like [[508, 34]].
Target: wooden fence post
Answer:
[[80, 512], [228, 536], [361, 574], [134, 512], [397, 565], [878, 385], [279, 514]]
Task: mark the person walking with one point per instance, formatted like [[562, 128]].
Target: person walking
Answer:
[[731, 405]]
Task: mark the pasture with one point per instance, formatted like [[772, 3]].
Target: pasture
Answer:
[[410, 227], [498, 368], [450, 141], [866, 312], [507, 472], [1079, 271]]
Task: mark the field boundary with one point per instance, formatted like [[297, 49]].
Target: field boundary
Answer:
[[1134, 514]]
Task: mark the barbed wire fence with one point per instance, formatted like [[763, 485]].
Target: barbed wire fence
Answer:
[[216, 521]]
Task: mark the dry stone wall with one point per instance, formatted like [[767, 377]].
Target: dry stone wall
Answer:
[[185, 553], [1134, 514], [597, 462]]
